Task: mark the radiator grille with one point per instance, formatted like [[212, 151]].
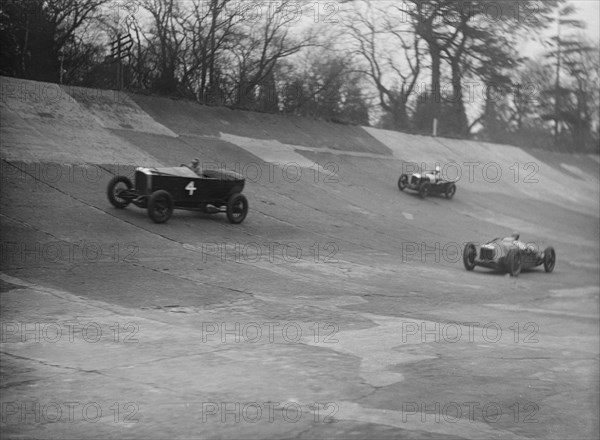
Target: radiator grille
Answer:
[[141, 182], [487, 254]]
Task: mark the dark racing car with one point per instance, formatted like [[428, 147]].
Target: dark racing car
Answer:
[[426, 183], [508, 255], [161, 190]]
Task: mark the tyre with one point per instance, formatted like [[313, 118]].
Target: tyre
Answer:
[[549, 259], [160, 206], [116, 185], [513, 260], [450, 191], [237, 208], [424, 190], [402, 182], [469, 254]]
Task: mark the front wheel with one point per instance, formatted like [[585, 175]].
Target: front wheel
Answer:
[[549, 259], [160, 206], [424, 190], [237, 208], [514, 262], [450, 191], [116, 186], [402, 182], [469, 254]]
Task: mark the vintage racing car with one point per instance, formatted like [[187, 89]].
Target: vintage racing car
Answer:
[[160, 190], [508, 255], [427, 182]]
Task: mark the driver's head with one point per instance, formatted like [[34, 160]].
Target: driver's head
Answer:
[[195, 162], [515, 236]]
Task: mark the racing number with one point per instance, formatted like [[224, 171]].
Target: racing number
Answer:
[[191, 188]]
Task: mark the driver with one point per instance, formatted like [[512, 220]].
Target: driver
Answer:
[[434, 175], [514, 237], [195, 166]]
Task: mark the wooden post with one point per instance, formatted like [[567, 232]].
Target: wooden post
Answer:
[[118, 61]]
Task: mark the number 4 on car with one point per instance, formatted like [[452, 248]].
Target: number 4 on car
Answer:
[[161, 190]]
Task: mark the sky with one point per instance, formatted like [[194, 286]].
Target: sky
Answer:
[[589, 11]]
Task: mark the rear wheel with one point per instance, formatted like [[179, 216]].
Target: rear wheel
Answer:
[[160, 206], [117, 185], [469, 254], [424, 190], [237, 208], [549, 259], [450, 191], [402, 182], [513, 260]]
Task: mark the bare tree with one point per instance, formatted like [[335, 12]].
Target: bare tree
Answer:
[[471, 41], [369, 29], [260, 43], [38, 33], [166, 41]]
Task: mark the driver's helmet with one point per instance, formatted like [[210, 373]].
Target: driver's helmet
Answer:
[[515, 236], [195, 162], [437, 169]]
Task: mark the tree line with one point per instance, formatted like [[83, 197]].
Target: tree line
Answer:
[[450, 66]]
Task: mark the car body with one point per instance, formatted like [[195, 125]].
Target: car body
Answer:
[[161, 190], [426, 183], [508, 255]]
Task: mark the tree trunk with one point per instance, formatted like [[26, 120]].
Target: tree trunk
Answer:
[[436, 102], [459, 116], [400, 114]]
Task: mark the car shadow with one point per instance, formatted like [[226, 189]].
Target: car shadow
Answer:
[[499, 272]]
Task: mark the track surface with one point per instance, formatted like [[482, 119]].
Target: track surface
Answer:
[[202, 329]]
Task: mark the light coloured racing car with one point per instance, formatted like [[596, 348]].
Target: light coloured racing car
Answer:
[[427, 182], [509, 255]]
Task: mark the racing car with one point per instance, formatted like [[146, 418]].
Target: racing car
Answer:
[[427, 182], [161, 190], [508, 255]]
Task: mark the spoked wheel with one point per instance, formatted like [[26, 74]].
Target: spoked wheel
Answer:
[[514, 262], [450, 191], [237, 208], [549, 259], [160, 206], [116, 186], [402, 182], [469, 254], [424, 190]]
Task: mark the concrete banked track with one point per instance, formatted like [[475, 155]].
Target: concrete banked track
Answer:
[[201, 329]]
